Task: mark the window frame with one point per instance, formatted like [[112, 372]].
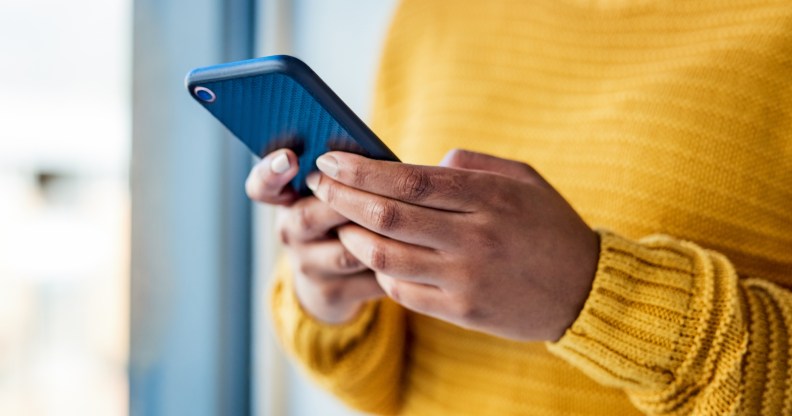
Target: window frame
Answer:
[[191, 276]]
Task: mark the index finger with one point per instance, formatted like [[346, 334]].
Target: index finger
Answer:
[[308, 219], [428, 186]]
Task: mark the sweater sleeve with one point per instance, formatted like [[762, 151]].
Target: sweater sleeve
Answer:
[[360, 361], [674, 326]]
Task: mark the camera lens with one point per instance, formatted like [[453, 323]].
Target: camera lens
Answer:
[[205, 94]]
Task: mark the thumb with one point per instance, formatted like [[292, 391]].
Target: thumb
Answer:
[[466, 159], [268, 181]]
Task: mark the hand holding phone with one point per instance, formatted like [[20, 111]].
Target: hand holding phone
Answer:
[[279, 102]]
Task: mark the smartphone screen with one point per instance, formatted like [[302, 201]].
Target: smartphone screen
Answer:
[[279, 102]]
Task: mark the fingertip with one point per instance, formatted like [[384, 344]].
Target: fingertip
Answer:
[[269, 178], [282, 162], [344, 232], [336, 153], [389, 286], [312, 182], [345, 156]]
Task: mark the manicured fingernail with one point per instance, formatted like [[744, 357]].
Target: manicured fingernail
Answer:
[[328, 165], [312, 181], [280, 164]]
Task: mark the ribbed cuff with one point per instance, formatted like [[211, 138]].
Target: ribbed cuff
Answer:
[[640, 322]]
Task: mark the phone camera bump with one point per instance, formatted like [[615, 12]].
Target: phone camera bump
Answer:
[[205, 94]]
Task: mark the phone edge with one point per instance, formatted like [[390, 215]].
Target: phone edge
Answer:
[[313, 84]]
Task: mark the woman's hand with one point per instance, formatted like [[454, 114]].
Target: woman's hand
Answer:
[[481, 242], [329, 282]]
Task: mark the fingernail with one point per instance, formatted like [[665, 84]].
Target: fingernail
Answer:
[[280, 164], [312, 181], [328, 165]]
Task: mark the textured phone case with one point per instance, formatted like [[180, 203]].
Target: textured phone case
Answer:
[[276, 102]]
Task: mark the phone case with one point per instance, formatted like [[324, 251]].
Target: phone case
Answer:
[[278, 101]]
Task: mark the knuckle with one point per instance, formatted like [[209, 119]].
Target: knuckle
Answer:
[[490, 241], [469, 284], [332, 294], [528, 170], [485, 236], [532, 176], [457, 184], [330, 191], [304, 219], [305, 270], [346, 261], [468, 311], [384, 215], [378, 258], [357, 175], [414, 184], [502, 199]]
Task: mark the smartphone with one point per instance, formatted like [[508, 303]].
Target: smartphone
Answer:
[[279, 102]]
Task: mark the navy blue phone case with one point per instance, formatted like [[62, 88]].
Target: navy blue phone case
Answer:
[[278, 101]]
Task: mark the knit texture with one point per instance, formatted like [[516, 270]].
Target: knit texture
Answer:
[[666, 123]]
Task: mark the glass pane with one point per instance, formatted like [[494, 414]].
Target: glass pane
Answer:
[[64, 207]]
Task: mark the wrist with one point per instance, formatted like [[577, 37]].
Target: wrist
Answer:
[[578, 289]]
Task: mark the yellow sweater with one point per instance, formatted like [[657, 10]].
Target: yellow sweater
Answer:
[[667, 122]]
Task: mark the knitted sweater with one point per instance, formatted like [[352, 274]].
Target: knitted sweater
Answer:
[[666, 123]]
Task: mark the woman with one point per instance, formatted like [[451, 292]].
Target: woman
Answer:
[[478, 287]]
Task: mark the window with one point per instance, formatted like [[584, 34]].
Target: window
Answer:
[[126, 270], [64, 207]]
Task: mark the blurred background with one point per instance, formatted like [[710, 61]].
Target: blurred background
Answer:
[[133, 270]]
